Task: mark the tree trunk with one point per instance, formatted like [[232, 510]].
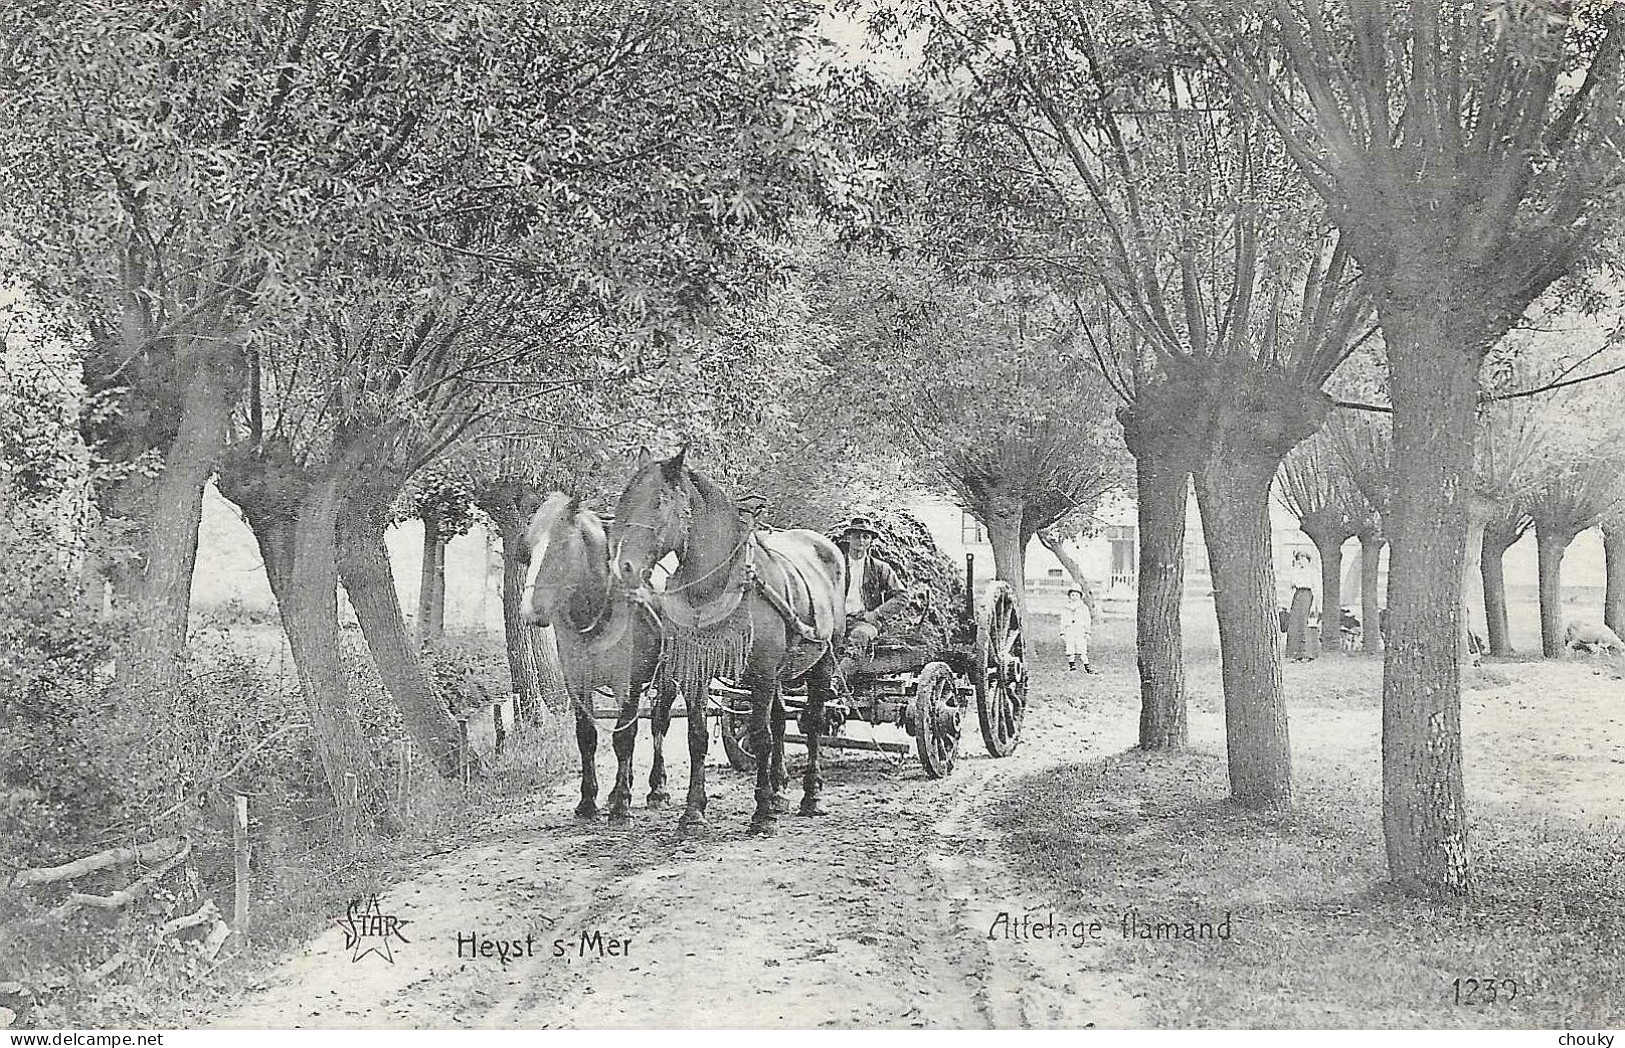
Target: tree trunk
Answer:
[[1371, 602], [1550, 544], [533, 664], [437, 609], [1057, 546], [1161, 489], [294, 517], [365, 569], [431, 618], [1613, 601], [1329, 544], [523, 666], [1435, 393], [127, 503], [1499, 535], [1480, 511], [1233, 496], [1009, 544], [301, 561], [550, 672], [152, 660]]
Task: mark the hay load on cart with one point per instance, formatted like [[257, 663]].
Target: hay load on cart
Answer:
[[948, 652]]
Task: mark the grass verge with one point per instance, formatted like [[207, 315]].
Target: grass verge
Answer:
[[1313, 943]]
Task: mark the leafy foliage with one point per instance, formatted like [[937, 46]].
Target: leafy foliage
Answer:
[[985, 386], [1367, 120], [51, 682], [1315, 485]]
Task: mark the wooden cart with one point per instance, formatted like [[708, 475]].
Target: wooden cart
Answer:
[[927, 693]]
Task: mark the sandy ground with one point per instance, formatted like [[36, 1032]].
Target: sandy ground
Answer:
[[878, 914]]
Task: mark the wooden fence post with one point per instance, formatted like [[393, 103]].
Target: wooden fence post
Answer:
[[240, 846], [496, 721], [467, 755]]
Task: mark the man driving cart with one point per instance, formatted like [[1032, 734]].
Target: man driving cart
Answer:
[[874, 594]]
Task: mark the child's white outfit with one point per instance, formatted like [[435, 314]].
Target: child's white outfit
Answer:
[[1076, 625]]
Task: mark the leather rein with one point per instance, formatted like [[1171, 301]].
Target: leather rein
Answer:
[[738, 560]]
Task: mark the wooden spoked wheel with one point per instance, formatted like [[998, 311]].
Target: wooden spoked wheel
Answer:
[[936, 719], [736, 742], [1001, 670]]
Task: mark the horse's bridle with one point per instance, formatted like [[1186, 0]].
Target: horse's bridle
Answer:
[[726, 562]]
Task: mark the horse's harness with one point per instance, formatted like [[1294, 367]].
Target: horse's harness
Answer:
[[741, 560]]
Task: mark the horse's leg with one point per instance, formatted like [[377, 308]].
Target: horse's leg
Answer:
[[587, 742], [780, 777], [659, 724], [764, 693], [818, 692], [626, 742], [692, 824]]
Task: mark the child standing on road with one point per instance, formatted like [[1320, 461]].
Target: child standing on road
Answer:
[[1076, 625]]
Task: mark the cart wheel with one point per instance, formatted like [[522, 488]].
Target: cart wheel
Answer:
[[936, 719], [1001, 670], [736, 741]]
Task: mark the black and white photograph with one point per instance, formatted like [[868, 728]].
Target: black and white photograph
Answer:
[[811, 515]]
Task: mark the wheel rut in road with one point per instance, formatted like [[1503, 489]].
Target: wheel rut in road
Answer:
[[876, 915]]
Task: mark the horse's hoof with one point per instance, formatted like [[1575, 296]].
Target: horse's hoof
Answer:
[[659, 799], [586, 810], [809, 806], [620, 819], [764, 825], [692, 828]]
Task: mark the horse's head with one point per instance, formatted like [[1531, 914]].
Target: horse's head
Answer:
[[652, 519], [561, 553]]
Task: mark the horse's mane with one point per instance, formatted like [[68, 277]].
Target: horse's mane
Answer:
[[709, 489], [676, 490], [550, 512]]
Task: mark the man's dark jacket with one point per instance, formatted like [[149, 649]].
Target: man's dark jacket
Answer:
[[882, 591]]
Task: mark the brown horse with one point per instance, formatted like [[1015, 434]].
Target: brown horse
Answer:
[[760, 608], [604, 641]]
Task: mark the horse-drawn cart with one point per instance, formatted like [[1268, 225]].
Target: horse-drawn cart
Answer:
[[926, 692]]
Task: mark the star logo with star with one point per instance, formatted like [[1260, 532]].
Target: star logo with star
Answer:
[[367, 929]]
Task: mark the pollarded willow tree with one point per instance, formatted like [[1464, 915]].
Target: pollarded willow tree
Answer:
[[1575, 479], [1232, 304], [509, 475], [1532, 428], [1315, 485], [1507, 459], [177, 176], [444, 505], [1581, 487], [1613, 548], [188, 176], [1364, 442], [342, 410], [984, 386], [1467, 151]]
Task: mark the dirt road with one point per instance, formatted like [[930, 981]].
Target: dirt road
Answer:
[[876, 915]]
